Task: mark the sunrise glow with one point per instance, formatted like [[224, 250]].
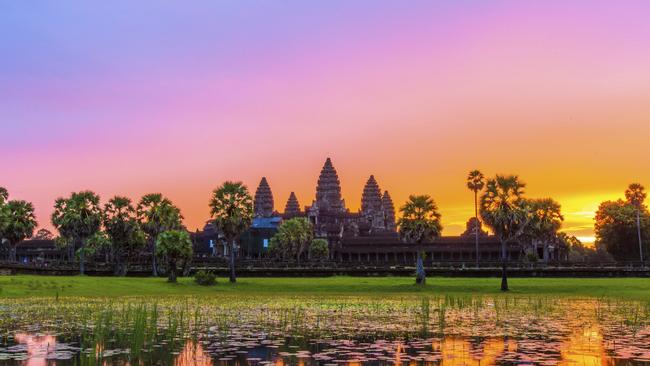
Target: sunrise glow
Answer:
[[129, 99]]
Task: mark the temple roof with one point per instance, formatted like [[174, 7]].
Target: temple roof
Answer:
[[328, 189], [389, 210], [292, 207], [371, 198], [263, 200]]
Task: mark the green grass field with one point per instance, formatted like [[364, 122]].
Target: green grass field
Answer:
[[46, 286]]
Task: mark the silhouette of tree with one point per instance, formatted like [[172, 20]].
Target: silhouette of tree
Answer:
[[504, 210], [232, 209], [635, 195], [420, 223], [475, 183]]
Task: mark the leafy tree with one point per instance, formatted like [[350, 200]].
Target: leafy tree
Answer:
[[544, 222], [157, 214], [319, 249], [475, 183], [231, 207], [4, 195], [43, 234], [420, 223], [99, 243], [504, 210], [19, 224], [578, 252], [176, 247], [292, 239], [123, 230], [78, 218], [616, 228], [635, 196]]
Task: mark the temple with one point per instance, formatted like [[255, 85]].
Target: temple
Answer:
[[368, 235]]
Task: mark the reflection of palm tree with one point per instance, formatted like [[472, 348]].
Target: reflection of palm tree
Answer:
[[475, 183], [635, 196]]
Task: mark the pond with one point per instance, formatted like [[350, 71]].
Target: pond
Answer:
[[325, 331]]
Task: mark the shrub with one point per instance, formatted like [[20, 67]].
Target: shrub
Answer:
[[319, 249], [531, 257], [205, 278]]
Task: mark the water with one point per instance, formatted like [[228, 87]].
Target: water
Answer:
[[452, 332]]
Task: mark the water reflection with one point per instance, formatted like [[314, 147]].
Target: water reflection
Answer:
[[36, 348], [583, 347], [193, 354]]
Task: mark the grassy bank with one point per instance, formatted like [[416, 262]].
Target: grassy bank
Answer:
[[40, 286]]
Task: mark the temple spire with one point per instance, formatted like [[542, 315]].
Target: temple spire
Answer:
[[328, 189], [389, 211], [371, 197], [292, 209], [263, 205]]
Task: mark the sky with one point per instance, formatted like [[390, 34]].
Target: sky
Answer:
[[127, 98]]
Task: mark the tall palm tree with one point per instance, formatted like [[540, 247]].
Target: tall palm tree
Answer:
[[78, 218], [475, 183], [20, 223], [4, 195], [157, 214], [504, 210], [635, 195], [231, 207], [420, 223]]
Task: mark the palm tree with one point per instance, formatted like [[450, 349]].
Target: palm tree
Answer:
[[123, 230], [475, 183], [420, 223], [635, 195], [4, 194], [157, 214], [504, 210], [78, 218], [231, 206], [19, 225], [292, 238]]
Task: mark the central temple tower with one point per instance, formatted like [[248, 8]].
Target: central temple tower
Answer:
[[328, 189]]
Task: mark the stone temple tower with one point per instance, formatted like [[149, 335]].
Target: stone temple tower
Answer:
[[328, 189], [389, 212], [292, 208], [263, 205], [371, 204]]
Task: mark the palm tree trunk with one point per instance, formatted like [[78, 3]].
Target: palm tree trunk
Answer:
[[154, 266], [504, 266], [12, 252], [638, 231], [82, 257], [172, 272], [233, 277], [420, 274], [476, 228]]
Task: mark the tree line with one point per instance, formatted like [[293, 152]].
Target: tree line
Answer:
[[501, 205], [121, 229]]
